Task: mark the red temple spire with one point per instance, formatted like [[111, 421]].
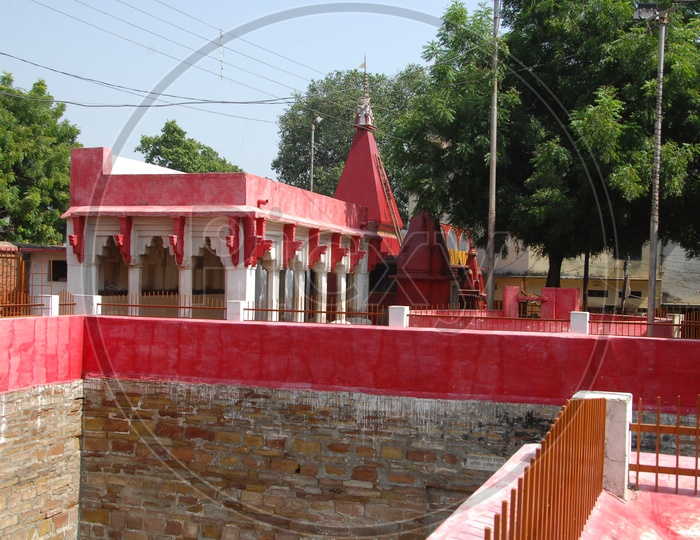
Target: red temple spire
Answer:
[[364, 180]]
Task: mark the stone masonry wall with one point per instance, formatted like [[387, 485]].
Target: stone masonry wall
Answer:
[[40, 456], [173, 460]]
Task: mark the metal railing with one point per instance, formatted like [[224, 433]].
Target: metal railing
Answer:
[[66, 303], [684, 325], [19, 304], [626, 325], [474, 319], [679, 433], [163, 304], [369, 315], [557, 492]]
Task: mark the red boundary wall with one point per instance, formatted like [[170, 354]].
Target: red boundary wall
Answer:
[[40, 350], [494, 366]]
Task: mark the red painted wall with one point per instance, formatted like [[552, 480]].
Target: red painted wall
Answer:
[[494, 366], [502, 366], [40, 350], [212, 193]]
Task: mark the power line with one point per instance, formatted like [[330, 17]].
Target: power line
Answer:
[[150, 48], [180, 44], [128, 105], [136, 91], [240, 38], [207, 39]]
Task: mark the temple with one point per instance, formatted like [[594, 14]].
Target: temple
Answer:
[[234, 236]]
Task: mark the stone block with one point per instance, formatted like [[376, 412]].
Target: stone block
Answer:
[[365, 474], [391, 452], [228, 437], [424, 456], [339, 448], [253, 440], [304, 447]]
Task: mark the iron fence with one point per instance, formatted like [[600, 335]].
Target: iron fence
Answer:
[[679, 433], [164, 304], [466, 319], [557, 492], [19, 304], [369, 315]]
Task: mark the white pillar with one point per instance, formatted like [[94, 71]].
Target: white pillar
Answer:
[[341, 281], [49, 305], [579, 322], [299, 293], [618, 415], [184, 289], [360, 289], [89, 278], [273, 291], [321, 293], [87, 304], [398, 316], [134, 279], [240, 284]]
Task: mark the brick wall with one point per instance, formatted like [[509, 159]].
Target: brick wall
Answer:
[[183, 460], [40, 456]]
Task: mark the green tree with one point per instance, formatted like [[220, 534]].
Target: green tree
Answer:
[[174, 150], [34, 164], [586, 74], [334, 99], [442, 137], [576, 110]]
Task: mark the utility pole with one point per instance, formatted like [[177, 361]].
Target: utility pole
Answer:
[[311, 171], [647, 12], [317, 120], [491, 233], [655, 174]]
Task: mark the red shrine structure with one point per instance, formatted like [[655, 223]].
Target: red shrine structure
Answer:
[[240, 237]]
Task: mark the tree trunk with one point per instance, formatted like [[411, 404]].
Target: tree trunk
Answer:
[[554, 273]]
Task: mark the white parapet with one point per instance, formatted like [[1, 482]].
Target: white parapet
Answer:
[[87, 304], [398, 316], [579, 322], [618, 415], [235, 310], [50, 305]]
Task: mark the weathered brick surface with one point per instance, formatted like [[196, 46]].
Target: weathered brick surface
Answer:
[[180, 460], [40, 456]]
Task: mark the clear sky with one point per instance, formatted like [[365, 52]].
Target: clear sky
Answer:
[[151, 45]]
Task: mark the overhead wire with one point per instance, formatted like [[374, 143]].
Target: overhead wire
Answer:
[[126, 105], [187, 102], [185, 47], [151, 48], [136, 91], [226, 47], [240, 38]]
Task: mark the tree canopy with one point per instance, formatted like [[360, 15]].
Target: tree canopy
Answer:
[[334, 99], [174, 150], [442, 137], [35, 146], [576, 109], [589, 92]]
